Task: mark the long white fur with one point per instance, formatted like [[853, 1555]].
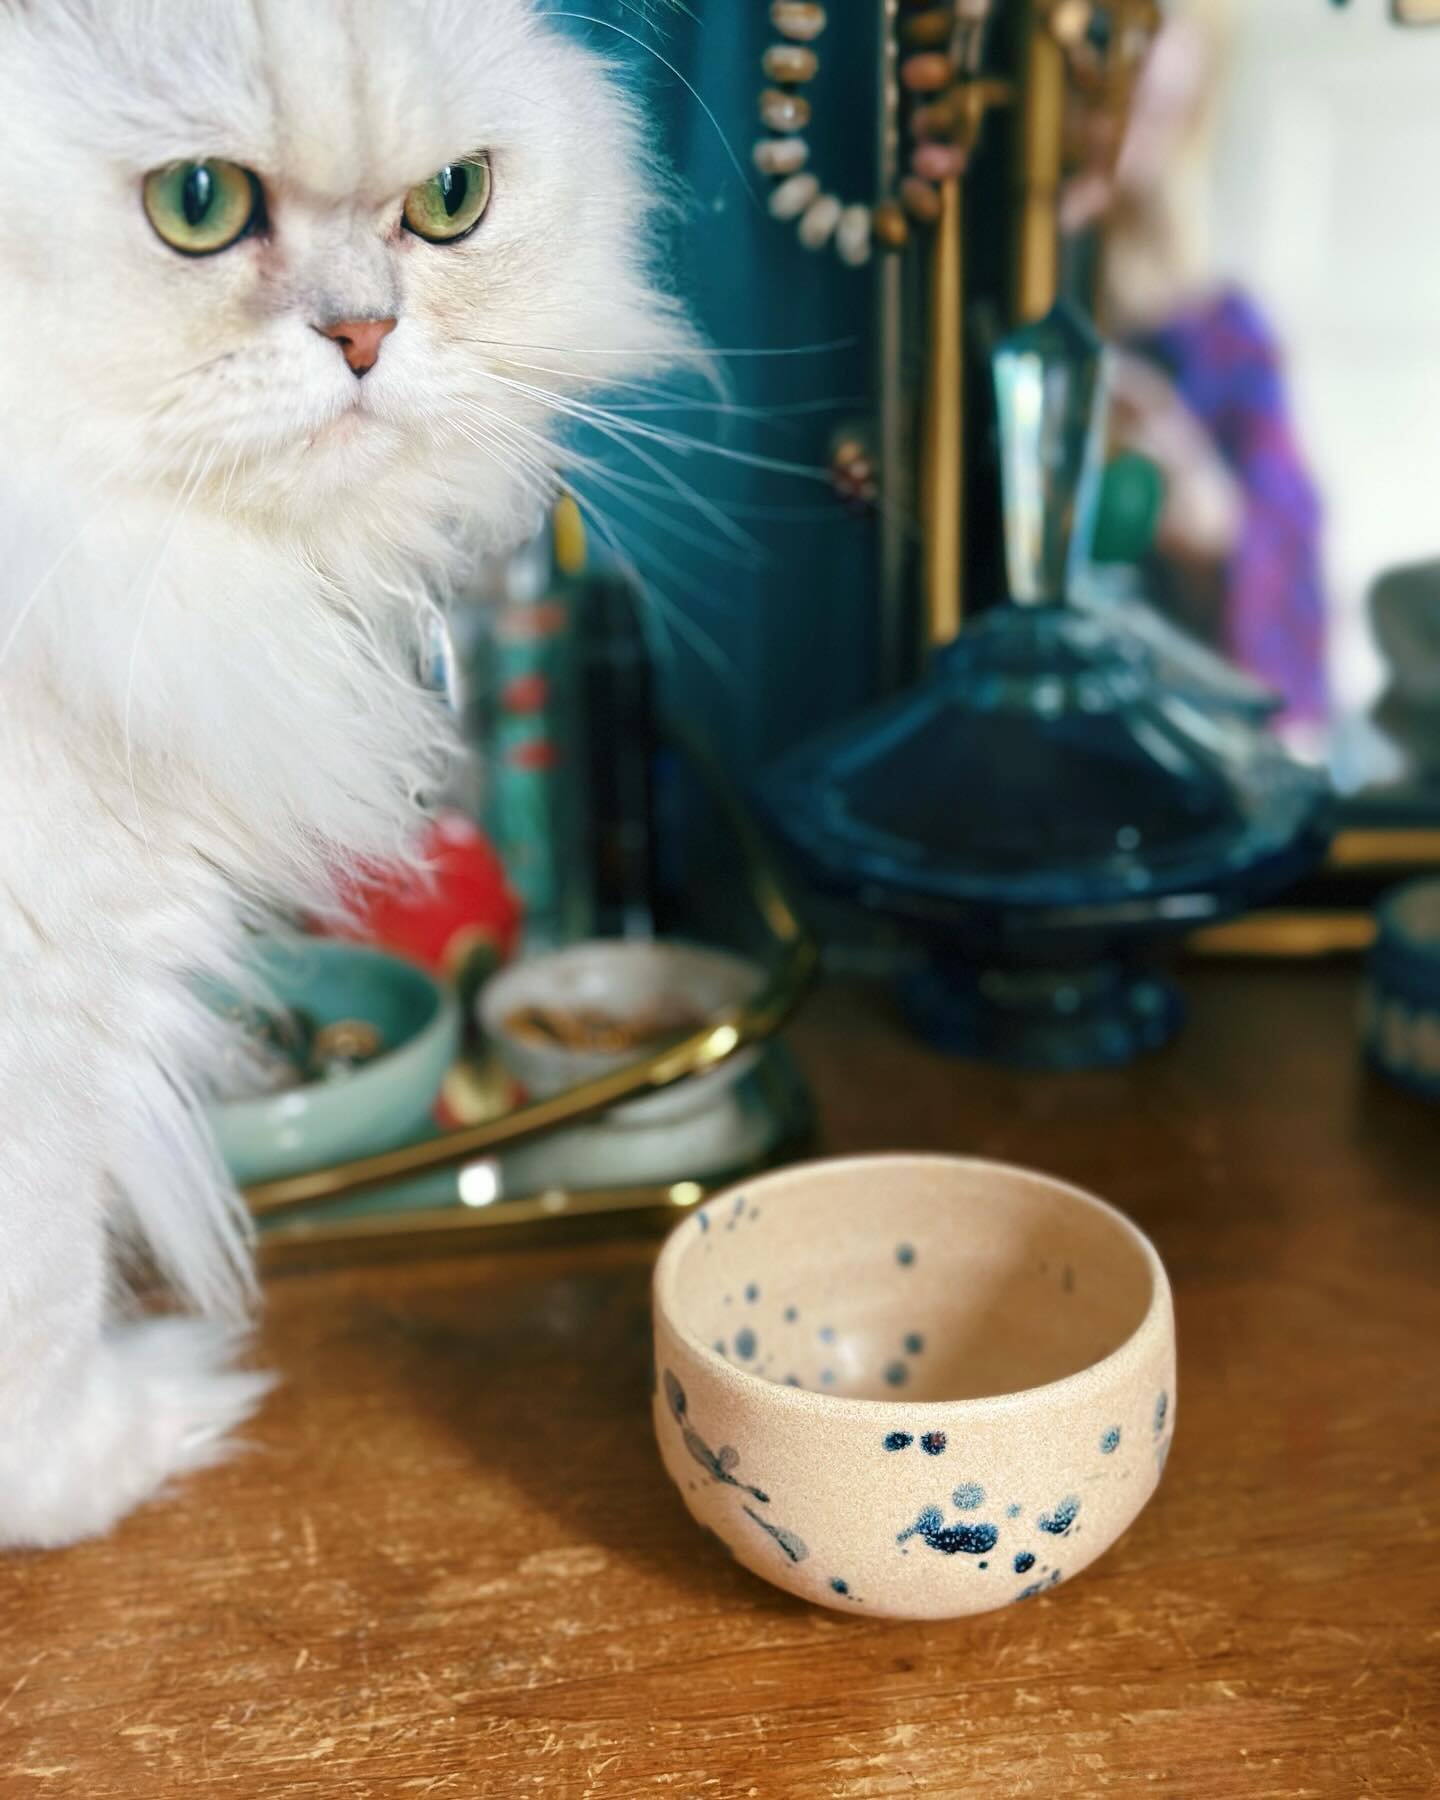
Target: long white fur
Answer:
[[215, 549]]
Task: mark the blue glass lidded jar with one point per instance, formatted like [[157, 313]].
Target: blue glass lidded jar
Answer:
[[1042, 810]]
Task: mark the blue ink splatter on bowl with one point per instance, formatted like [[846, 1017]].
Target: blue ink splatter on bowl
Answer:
[[1110, 1443], [792, 1381], [897, 1374], [1029, 1593], [703, 1221], [898, 1440], [913, 1344], [717, 1464], [745, 1343], [951, 1540], [1058, 1523], [827, 1334], [752, 1293], [1162, 1406], [719, 1346], [1012, 1512], [904, 1255], [968, 1496], [983, 1565], [838, 1586], [791, 1315], [828, 1377], [794, 1547], [933, 1443], [1024, 1562]]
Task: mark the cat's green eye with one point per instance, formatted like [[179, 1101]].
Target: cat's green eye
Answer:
[[451, 203], [201, 207]]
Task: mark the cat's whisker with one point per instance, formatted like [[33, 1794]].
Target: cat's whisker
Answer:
[[666, 353], [679, 441], [625, 485], [695, 94], [668, 618], [601, 421]]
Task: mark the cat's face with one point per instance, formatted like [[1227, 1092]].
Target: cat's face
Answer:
[[214, 209]]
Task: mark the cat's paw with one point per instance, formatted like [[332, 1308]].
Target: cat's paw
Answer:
[[159, 1400]]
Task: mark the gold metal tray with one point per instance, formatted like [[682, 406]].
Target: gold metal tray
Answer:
[[278, 1205]]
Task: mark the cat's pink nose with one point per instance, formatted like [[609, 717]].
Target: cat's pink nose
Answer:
[[359, 340]]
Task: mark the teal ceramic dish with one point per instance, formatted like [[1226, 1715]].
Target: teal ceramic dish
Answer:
[[386, 1102]]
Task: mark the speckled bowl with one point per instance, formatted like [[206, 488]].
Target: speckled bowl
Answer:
[[912, 1385]]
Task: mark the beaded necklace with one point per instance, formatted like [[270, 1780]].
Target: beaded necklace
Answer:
[[942, 41]]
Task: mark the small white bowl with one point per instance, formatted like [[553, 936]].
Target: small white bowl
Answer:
[[912, 1385], [621, 977]]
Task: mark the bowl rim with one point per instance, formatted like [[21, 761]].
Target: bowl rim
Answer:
[[515, 974], [1156, 1325]]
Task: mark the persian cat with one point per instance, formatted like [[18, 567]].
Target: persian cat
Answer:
[[291, 292]]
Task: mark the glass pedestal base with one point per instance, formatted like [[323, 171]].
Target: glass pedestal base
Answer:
[[1093, 1017]]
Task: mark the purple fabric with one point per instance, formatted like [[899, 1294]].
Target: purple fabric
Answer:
[[1225, 363]]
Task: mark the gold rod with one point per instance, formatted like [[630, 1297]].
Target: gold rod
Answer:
[[944, 472], [1038, 161], [1287, 934], [895, 453], [1385, 847], [526, 1218]]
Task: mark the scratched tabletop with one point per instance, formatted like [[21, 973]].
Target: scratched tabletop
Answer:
[[450, 1565]]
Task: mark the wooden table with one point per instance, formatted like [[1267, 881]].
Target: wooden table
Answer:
[[451, 1566]]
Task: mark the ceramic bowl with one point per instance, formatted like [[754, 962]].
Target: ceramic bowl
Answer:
[[912, 1385], [620, 977], [387, 1102]]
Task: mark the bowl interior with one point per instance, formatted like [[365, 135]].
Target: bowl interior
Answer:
[[623, 979], [941, 1280], [332, 980]]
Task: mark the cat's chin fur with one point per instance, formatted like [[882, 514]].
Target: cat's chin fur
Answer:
[[213, 578]]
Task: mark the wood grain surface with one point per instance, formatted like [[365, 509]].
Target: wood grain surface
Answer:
[[451, 1566]]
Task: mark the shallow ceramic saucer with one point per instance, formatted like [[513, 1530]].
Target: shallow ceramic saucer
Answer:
[[913, 1385]]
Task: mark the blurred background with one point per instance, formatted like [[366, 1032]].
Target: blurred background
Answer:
[[1278, 158]]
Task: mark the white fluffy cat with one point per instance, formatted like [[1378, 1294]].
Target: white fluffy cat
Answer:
[[226, 484]]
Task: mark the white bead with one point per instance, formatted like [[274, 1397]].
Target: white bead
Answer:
[[780, 156], [802, 23], [792, 197], [852, 236], [821, 218]]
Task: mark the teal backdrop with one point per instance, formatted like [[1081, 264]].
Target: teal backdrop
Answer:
[[759, 642]]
